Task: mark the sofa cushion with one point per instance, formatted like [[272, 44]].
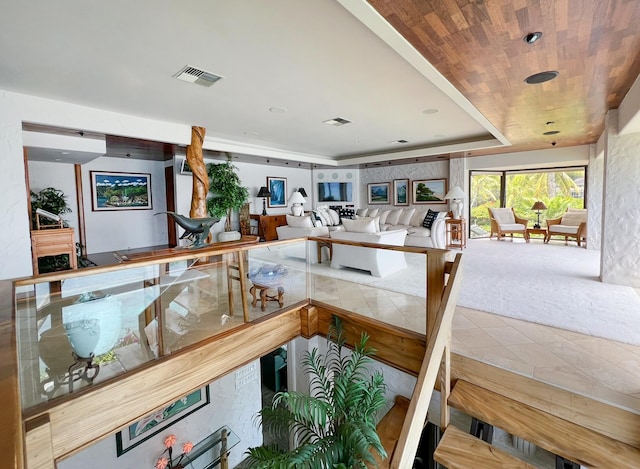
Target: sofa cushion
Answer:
[[362, 212], [376, 222], [405, 216], [429, 218], [418, 216], [383, 214], [373, 212], [573, 218], [568, 229], [299, 222], [335, 217], [394, 216], [316, 219], [419, 231], [504, 216], [362, 225], [347, 213]]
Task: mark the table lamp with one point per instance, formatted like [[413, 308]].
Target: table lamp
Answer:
[[538, 206], [456, 195], [297, 200], [264, 193], [302, 192]]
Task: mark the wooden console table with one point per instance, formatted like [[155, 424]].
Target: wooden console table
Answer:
[[267, 225], [53, 242]]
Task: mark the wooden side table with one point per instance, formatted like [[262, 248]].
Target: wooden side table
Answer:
[[456, 232], [53, 242], [541, 231], [324, 243]]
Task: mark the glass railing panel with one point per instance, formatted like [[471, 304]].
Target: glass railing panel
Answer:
[[383, 284], [277, 275], [88, 326]]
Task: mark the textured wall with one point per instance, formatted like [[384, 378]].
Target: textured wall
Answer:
[[337, 175], [417, 171], [620, 261], [595, 177]]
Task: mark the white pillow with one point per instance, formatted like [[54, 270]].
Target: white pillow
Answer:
[[299, 222], [394, 216], [335, 217], [418, 216], [383, 215], [362, 225], [376, 221], [405, 216], [362, 212], [373, 212]]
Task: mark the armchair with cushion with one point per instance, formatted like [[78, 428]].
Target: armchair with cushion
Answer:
[[505, 221], [573, 224]]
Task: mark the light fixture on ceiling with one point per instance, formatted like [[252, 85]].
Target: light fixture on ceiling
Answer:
[[541, 77], [430, 111], [398, 142], [551, 132], [532, 37], [278, 109], [337, 121], [195, 75]]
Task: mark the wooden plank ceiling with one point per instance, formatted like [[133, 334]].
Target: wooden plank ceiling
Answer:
[[478, 46]]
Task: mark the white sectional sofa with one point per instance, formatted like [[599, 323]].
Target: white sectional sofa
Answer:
[[410, 219]]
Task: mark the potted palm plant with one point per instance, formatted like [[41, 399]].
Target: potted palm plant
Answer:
[[335, 426], [227, 193]]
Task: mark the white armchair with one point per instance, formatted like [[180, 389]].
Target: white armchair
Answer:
[[380, 262], [504, 221], [573, 224]]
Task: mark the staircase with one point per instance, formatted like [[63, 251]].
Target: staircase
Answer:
[[458, 449]]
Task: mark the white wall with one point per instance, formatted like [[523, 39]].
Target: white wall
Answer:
[[551, 158], [59, 176], [125, 229], [232, 404]]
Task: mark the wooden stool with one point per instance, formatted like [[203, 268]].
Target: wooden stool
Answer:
[[264, 296]]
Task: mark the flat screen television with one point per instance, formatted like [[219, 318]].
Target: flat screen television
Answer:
[[335, 192]]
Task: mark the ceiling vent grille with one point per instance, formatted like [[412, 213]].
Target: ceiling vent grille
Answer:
[[197, 76], [337, 121]]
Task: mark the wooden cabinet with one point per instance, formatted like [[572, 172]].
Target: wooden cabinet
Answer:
[[53, 242], [267, 225]]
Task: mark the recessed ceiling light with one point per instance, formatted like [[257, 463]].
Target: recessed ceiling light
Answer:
[[430, 111], [65, 152], [532, 37], [337, 121], [551, 132], [397, 142], [278, 109], [541, 77]]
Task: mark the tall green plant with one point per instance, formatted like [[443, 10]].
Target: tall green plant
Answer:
[[227, 193], [335, 426], [50, 199]]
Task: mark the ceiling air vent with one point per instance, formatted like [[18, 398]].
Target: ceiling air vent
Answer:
[[337, 121], [197, 76]]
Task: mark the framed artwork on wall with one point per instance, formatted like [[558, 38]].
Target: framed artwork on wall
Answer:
[[120, 191], [378, 193], [155, 422], [278, 189], [400, 192], [429, 191]]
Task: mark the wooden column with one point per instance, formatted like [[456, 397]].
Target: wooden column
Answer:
[[200, 178], [82, 235]]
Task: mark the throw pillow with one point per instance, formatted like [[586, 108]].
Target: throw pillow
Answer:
[[299, 222], [362, 212], [362, 225], [429, 218], [348, 213], [316, 219], [334, 217], [376, 221], [405, 216], [394, 216], [573, 218]]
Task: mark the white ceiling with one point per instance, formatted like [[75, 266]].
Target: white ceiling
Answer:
[[313, 58]]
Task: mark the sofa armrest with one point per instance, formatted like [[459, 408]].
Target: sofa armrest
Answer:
[[439, 233], [582, 230], [522, 221], [288, 232], [554, 221]]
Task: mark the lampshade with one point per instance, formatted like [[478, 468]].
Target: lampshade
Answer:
[[296, 198], [303, 193], [455, 193], [264, 192], [539, 205]]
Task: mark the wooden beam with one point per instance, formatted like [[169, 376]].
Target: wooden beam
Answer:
[[82, 233], [38, 443]]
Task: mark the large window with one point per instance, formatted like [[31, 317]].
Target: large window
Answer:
[[558, 188]]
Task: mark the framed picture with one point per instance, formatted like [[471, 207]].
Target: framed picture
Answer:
[[157, 421], [120, 191], [400, 192], [378, 193], [278, 189], [429, 191]]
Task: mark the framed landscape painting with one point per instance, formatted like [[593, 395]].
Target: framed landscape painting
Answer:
[[155, 422], [429, 191], [120, 191], [278, 189], [400, 192], [378, 193]]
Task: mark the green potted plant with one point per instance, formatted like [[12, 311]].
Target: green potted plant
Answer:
[[227, 193], [49, 199], [335, 427]]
